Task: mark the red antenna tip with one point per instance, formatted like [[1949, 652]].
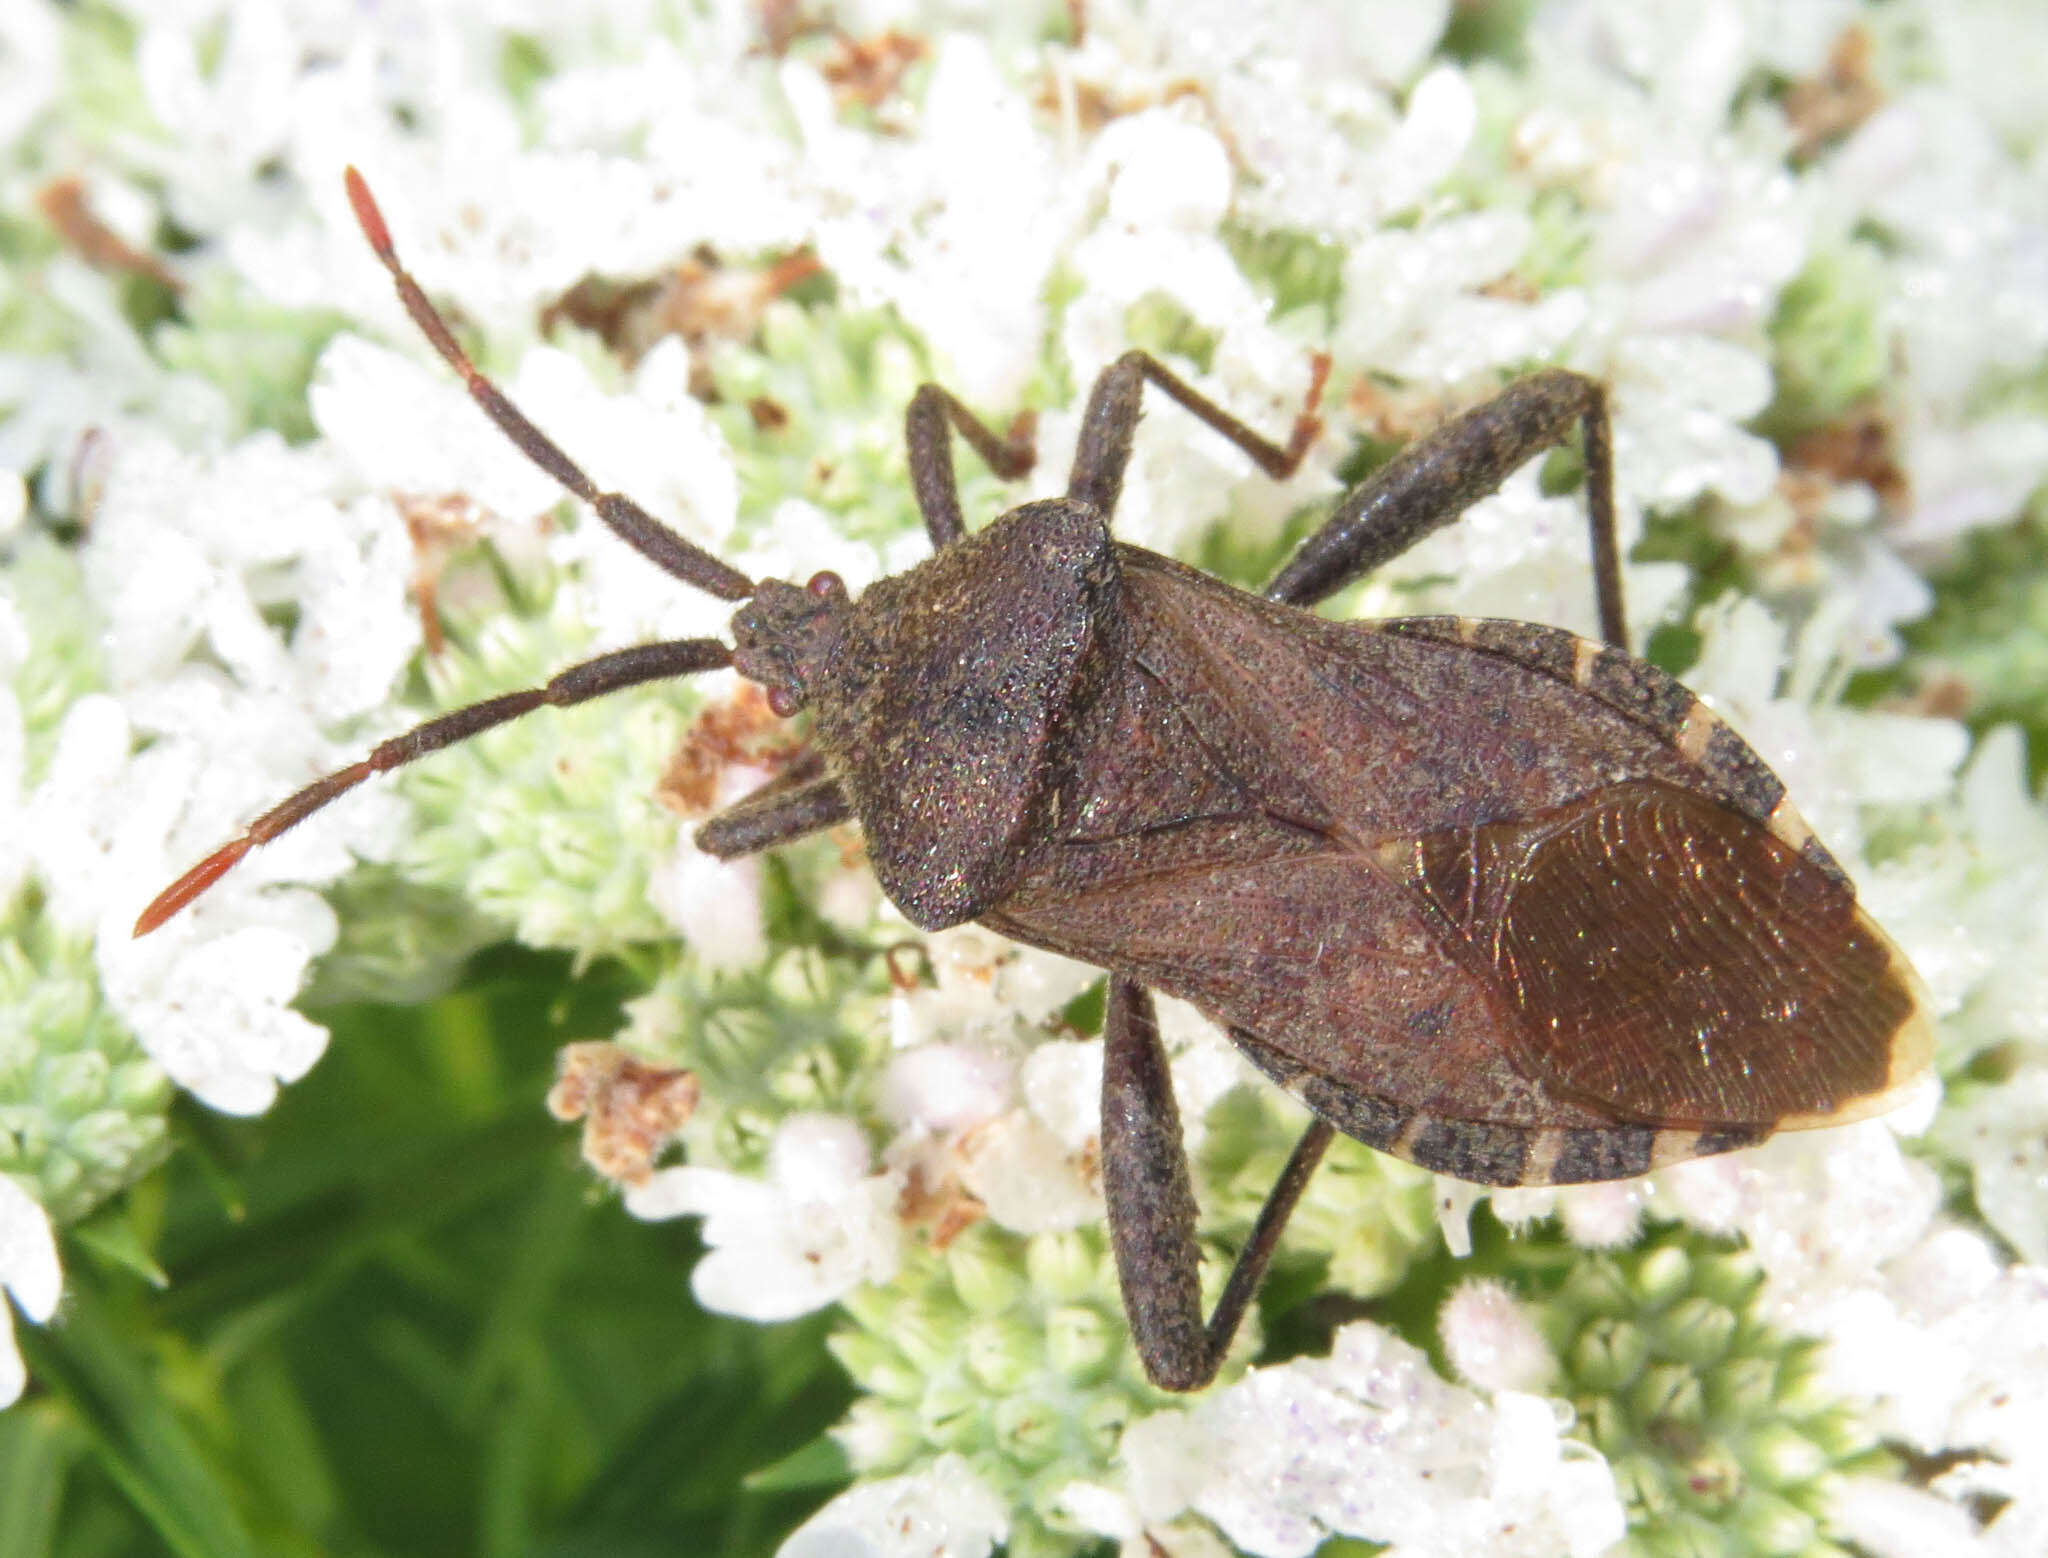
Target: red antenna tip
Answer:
[[368, 217], [190, 885]]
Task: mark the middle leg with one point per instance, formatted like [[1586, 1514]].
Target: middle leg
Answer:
[[1111, 420]]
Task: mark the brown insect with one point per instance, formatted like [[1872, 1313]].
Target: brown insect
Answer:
[[1502, 901]]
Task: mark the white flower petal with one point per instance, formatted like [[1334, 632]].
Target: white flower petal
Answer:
[[13, 1373], [13, 502], [1062, 1083], [1026, 1177], [817, 1228], [28, 1253], [947, 1087], [716, 904], [943, 1512], [219, 1019]]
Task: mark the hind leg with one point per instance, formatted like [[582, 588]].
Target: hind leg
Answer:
[[1152, 1204]]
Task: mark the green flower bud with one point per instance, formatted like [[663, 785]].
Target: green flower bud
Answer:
[[1721, 1437], [1001, 1356], [985, 1284], [1063, 1267], [82, 1109], [1080, 1342], [1608, 1354], [1033, 1393], [881, 1369], [1697, 1330]]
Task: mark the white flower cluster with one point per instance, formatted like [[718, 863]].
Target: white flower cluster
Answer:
[[1375, 1444], [1622, 199]]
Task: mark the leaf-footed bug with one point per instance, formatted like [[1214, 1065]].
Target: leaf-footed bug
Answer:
[[1504, 902]]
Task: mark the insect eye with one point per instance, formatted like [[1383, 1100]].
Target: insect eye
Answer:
[[784, 701], [827, 585]]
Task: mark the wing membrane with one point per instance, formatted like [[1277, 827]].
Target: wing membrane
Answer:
[[1672, 961]]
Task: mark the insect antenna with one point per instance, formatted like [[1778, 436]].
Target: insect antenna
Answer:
[[627, 519], [590, 679]]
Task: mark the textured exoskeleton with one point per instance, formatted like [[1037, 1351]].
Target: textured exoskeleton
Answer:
[[1508, 903]]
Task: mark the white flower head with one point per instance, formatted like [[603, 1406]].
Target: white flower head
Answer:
[[14, 853], [13, 502], [987, 991], [2003, 1133], [956, 228], [1034, 1168], [1602, 1216], [715, 904], [1372, 1443], [215, 1012], [1955, 1356], [31, 65], [947, 1087], [1821, 1210]]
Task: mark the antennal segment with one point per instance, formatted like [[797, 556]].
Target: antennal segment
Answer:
[[580, 683], [633, 524]]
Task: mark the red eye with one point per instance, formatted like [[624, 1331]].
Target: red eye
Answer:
[[784, 701], [827, 586]]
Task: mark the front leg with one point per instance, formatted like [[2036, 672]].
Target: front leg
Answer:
[[799, 801], [1152, 1204]]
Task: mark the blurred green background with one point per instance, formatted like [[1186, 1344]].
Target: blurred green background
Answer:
[[403, 1318]]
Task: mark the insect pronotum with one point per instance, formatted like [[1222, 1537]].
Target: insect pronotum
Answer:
[[1507, 903]]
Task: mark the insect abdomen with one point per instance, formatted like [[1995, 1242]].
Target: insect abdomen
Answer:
[[1488, 1152]]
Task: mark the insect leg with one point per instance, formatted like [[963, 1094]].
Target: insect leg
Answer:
[[778, 813], [1009, 455], [578, 684], [1433, 480], [627, 519], [1104, 449], [1152, 1204]]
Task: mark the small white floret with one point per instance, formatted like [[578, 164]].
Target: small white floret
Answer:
[[1491, 1339], [28, 1272], [816, 1228]]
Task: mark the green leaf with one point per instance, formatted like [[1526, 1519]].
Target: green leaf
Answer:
[[819, 1464], [116, 1241], [38, 1445], [145, 1446]]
